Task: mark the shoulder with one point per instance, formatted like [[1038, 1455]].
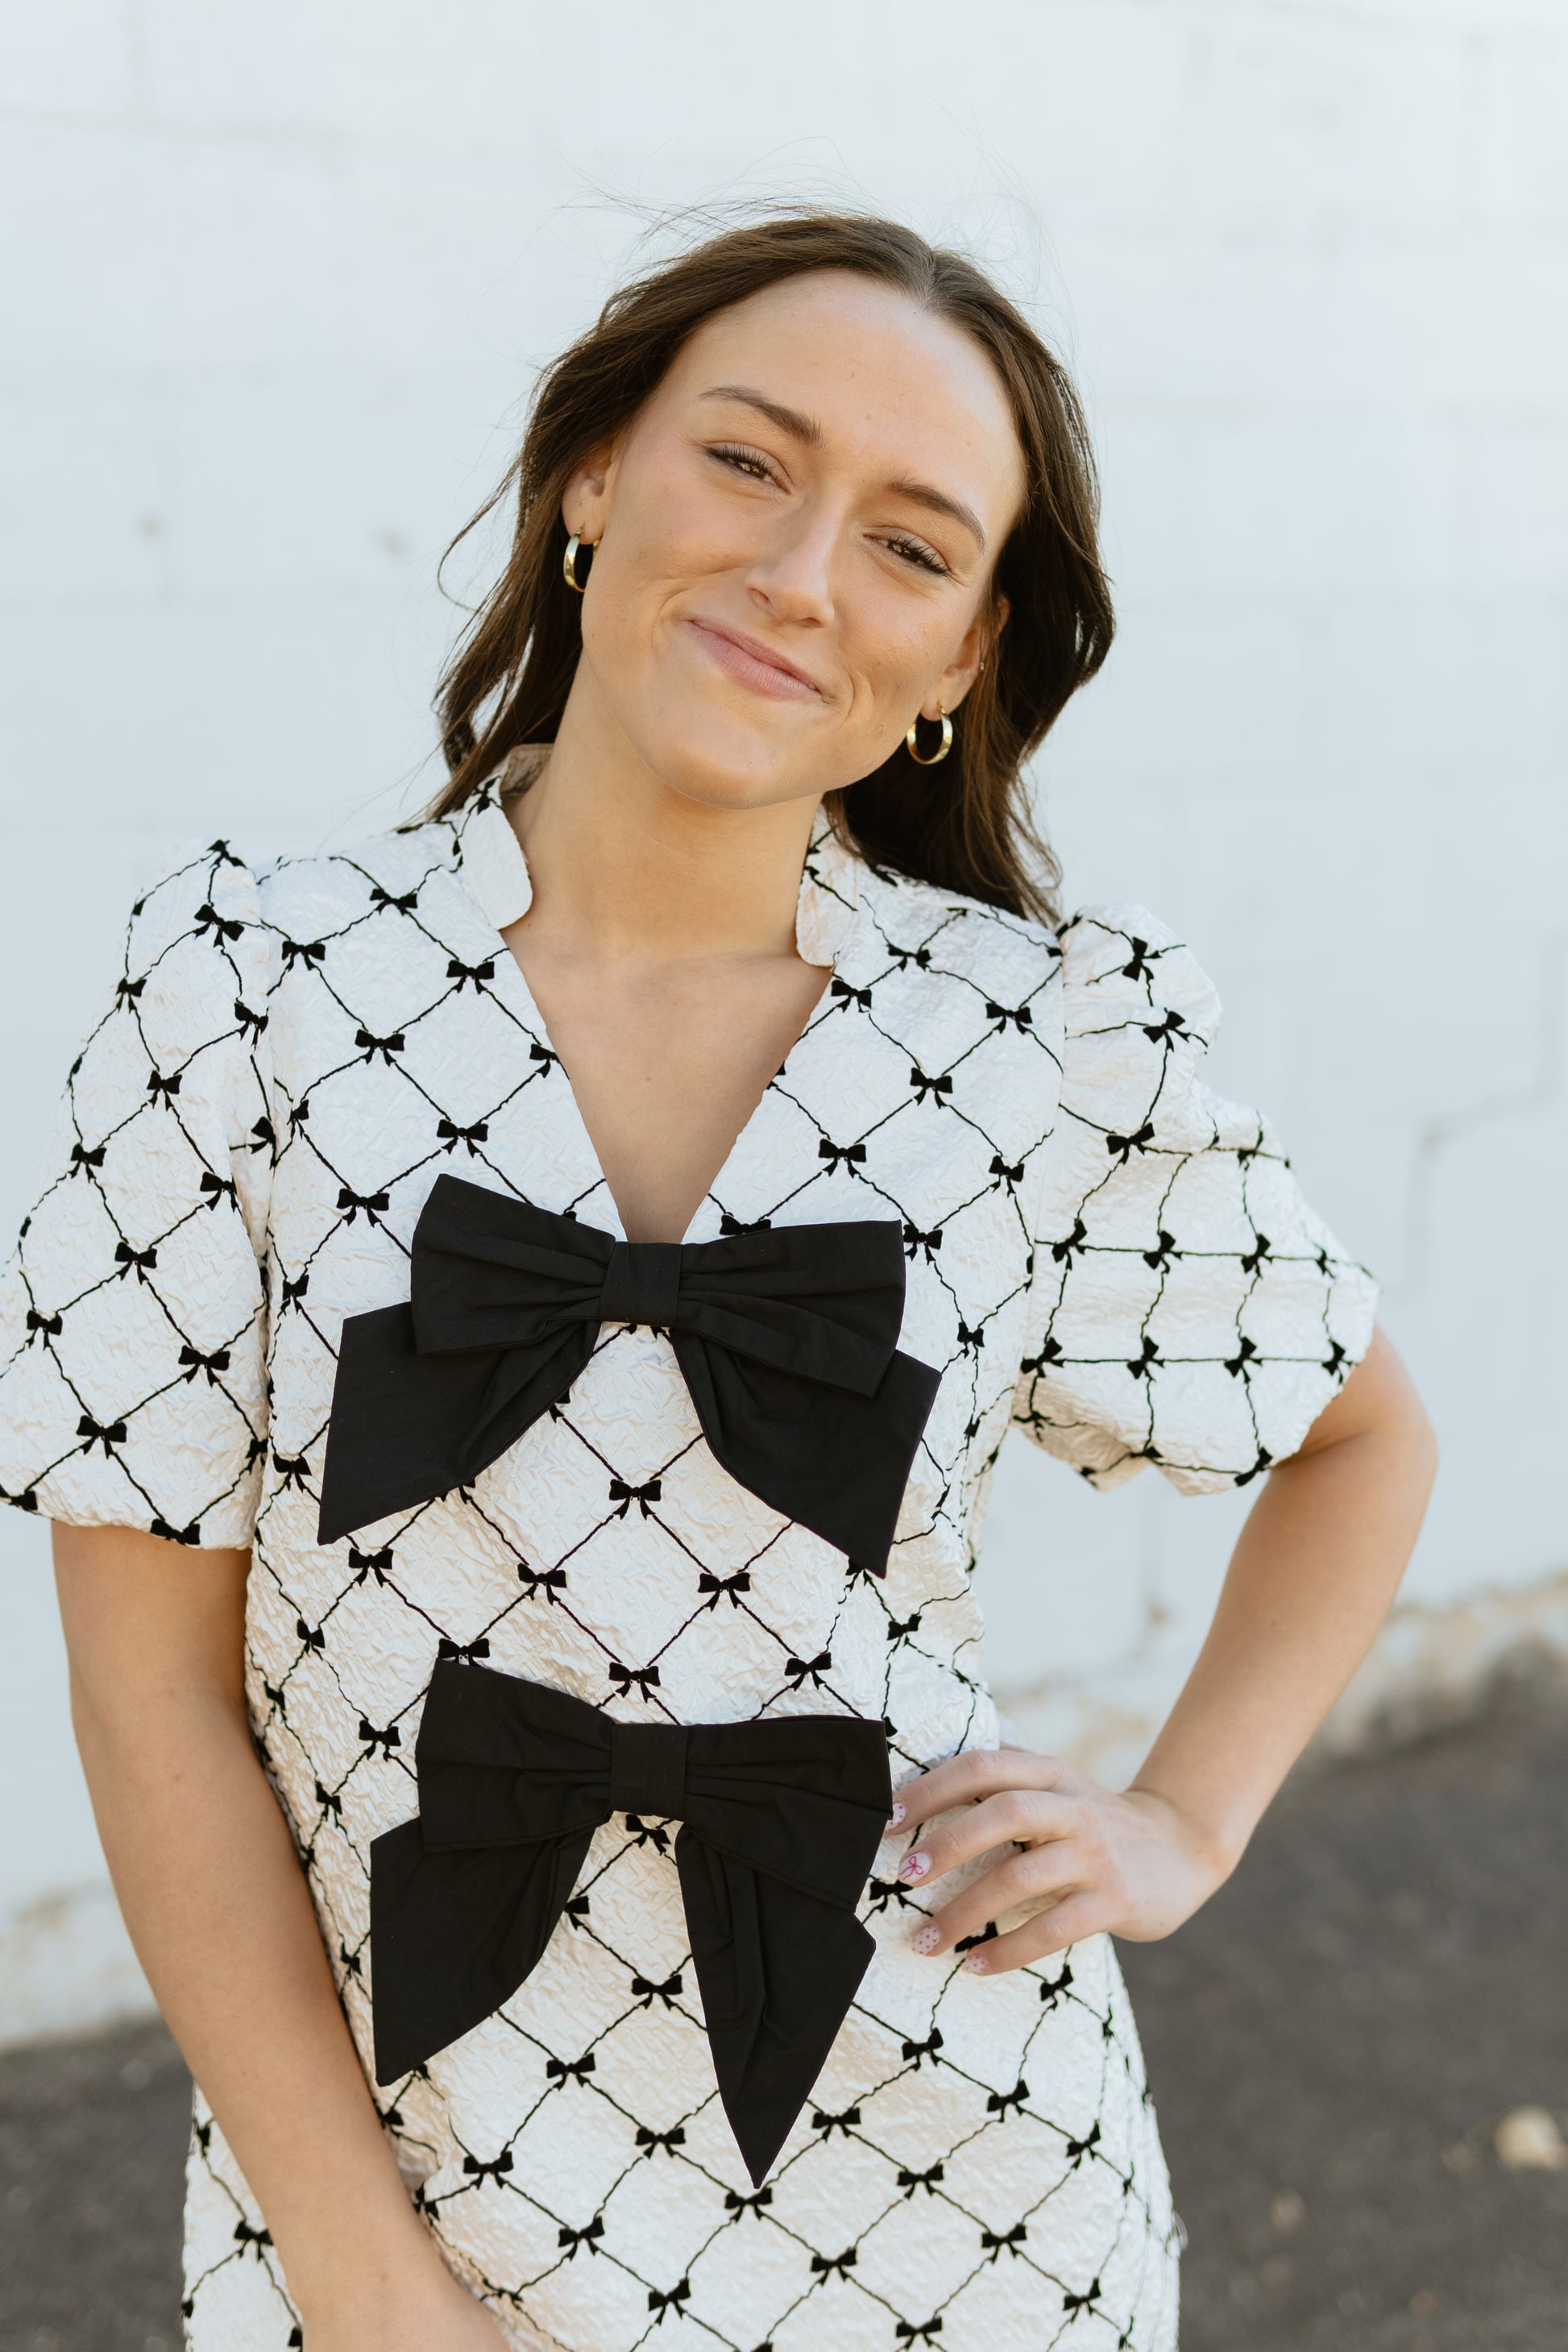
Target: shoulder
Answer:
[[311, 896], [197, 961], [205, 892], [258, 917], [1123, 966], [1007, 959], [1139, 1016]]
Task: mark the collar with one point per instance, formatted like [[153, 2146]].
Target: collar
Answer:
[[490, 857]]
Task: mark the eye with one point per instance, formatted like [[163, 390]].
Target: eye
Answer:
[[744, 460], [915, 552]]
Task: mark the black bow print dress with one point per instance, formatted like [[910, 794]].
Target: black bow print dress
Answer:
[[303, 1072]]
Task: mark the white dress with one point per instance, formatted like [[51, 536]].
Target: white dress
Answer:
[[1098, 1251]]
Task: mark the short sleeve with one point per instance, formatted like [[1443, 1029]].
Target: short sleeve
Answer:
[[132, 1317], [1187, 1306]]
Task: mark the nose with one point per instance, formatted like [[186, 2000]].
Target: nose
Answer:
[[793, 581]]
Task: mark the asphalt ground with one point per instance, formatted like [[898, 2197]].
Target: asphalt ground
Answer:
[[1334, 2044]]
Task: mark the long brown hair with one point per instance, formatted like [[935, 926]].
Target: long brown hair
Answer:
[[964, 825]]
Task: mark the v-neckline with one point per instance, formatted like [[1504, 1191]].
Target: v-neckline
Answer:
[[490, 859]]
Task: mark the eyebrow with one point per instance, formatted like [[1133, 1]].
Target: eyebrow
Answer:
[[925, 494], [808, 432], [789, 420]]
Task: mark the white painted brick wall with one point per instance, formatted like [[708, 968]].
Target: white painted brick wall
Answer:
[[277, 275]]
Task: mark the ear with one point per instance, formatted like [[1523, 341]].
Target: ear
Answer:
[[977, 648], [585, 500]]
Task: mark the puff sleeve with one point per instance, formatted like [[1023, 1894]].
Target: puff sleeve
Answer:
[[132, 1317], [1187, 1306]]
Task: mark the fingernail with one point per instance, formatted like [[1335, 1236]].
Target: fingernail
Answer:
[[927, 1939], [975, 1963], [896, 1815], [913, 1866]]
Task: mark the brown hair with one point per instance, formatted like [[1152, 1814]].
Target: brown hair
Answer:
[[964, 825]]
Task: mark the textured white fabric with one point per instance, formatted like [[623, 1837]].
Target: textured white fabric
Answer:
[[1096, 1249]]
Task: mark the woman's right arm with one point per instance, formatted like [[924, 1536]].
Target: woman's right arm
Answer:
[[221, 1917]]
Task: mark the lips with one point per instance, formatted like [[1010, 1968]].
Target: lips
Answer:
[[751, 663]]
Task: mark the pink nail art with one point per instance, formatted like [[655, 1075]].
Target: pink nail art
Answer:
[[913, 1866], [927, 1940], [898, 1815], [975, 1963]]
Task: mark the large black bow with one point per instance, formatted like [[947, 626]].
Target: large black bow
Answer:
[[781, 1820], [787, 1338]]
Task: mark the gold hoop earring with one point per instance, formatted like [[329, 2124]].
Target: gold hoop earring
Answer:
[[911, 740], [569, 562]]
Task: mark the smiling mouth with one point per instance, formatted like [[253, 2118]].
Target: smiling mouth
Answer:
[[751, 663]]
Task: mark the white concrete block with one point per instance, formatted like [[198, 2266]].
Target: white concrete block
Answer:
[[1519, 505], [1311, 125], [49, 1835], [186, 253], [283, 69], [1500, 839], [1444, 1030], [1436, 689], [86, 513], [1083, 103], [68, 58], [1520, 156], [475, 76], [1173, 319], [737, 100], [1358, 841], [218, 711], [1144, 456], [67, 1966], [1191, 1539], [391, 764], [1418, 324], [473, 255], [1062, 1571], [1468, 322], [1220, 683], [299, 485], [1475, 16], [1294, 501]]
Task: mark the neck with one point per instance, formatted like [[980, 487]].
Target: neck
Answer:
[[626, 868]]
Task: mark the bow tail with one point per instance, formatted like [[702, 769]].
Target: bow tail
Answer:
[[453, 1933], [407, 1427], [833, 1460], [777, 1969]]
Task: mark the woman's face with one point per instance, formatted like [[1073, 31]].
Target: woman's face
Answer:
[[797, 538]]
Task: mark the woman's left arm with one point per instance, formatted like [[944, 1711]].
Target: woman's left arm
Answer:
[[1313, 1578]]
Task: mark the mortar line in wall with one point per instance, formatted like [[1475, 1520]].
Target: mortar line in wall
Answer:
[[1433, 1139]]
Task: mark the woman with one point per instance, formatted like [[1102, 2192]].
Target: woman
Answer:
[[385, 1427]]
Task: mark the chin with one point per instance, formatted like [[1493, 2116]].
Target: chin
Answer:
[[731, 768]]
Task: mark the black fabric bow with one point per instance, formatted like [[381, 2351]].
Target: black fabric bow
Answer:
[[787, 1338], [780, 1822]]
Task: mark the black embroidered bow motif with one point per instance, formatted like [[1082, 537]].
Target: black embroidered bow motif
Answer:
[[624, 1496], [787, 1338], [780, 1821], [718, 1587], [451, 1134], [570, 2239]]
